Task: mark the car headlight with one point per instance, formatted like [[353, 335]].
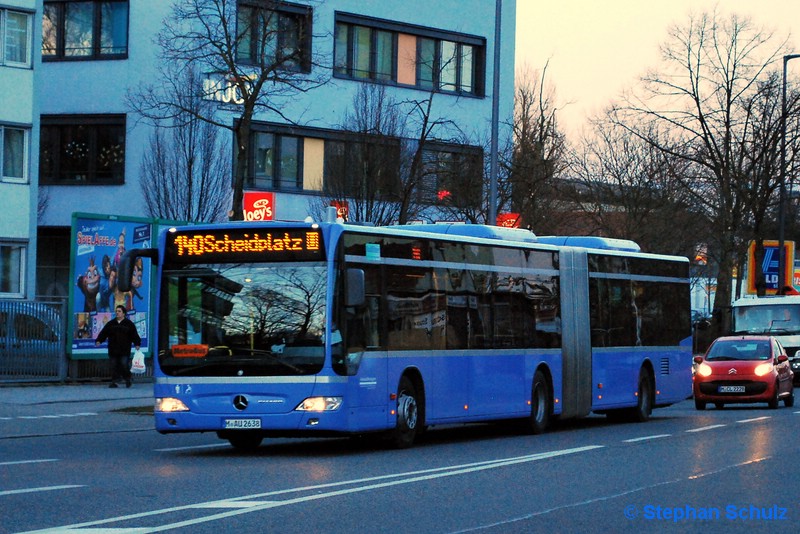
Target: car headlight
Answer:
[[319, 404], [704, 370], [170, 404], [763, 369]]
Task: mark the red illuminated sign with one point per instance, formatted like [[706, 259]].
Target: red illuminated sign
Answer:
[[258, 206], [342, 208], [508, 220]]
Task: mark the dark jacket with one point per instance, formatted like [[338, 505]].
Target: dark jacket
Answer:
[[121, 335]]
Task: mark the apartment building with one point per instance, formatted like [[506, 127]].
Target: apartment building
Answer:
[[18, 118], [92, 54]]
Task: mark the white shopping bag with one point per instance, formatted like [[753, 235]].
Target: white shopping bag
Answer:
[[137, 364]]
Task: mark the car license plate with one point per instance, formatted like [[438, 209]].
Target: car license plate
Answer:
[[731, 389], [242, 423]]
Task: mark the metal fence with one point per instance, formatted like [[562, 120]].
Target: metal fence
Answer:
[[33, 341]]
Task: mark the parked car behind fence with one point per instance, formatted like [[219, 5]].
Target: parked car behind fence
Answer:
[[32, 341]]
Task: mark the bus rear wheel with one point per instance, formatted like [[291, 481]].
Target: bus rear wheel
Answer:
[[408, 411], [541, 404], [644, 401]]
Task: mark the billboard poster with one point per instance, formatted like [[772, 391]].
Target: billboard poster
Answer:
[[98, 242]]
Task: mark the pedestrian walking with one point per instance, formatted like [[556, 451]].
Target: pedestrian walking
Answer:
[[121, 334]]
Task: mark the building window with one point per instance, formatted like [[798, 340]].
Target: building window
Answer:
[[12, 269], [391, 52], [14, 155], [446, 65], [365, 53], [15, 38], [275, 162], [279, 37], [364, 169], [452, 176], [80, 30], [82, 150]]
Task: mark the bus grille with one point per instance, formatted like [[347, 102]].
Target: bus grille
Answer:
[[664, 366]]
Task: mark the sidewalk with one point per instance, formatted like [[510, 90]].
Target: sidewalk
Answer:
[[45, 393]]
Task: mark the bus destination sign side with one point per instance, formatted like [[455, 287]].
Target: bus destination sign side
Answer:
[[234, 245]]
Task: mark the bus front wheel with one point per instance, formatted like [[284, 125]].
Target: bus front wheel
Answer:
[[244, 441], [541, 404], [407, 415]]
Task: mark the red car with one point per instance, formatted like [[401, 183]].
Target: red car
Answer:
[[743, 369]]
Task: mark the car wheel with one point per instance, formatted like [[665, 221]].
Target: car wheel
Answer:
[[789, 400], [719, 405], [407, 415], [541, 404], [773, 402], [699, 405]]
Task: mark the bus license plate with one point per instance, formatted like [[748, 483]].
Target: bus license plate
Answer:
[[242, 423], [731, 389]]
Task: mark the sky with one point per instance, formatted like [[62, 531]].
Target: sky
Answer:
[[597, 48]]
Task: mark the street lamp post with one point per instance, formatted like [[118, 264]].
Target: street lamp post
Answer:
[[782, 200], [493, 163]]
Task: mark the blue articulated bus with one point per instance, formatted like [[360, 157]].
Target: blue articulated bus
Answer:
[[326, 329]]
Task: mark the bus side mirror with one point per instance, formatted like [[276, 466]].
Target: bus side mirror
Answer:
[[126, 263], [354, 288]]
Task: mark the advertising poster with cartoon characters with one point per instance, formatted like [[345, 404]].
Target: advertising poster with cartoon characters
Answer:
[[98, 244]]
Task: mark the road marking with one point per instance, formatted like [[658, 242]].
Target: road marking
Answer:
[[19, 462], [210, 446], [634, 440], [701, 429], [762, 418], [34, 490], [51, 416], [252, 503], [233, 504], [639, 489]]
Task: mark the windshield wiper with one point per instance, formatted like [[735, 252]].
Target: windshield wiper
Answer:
[[271, 355]]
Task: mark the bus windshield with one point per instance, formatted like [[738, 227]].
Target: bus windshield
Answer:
[[242, 319], [779, 319]]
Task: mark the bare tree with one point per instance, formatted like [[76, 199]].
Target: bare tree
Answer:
[[186, 170], [538, 155], [711, 68], [363, 168], [626, 188], [257, 57], [419, 178], [396, 161]]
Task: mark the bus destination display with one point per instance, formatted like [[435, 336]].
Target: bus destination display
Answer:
[[234, 245]]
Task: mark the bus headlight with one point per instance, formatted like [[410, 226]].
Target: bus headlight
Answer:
[[763, 369], [319, 404], [170, 404]]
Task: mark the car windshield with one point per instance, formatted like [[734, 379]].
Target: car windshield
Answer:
[[755, 350], [248, 319], [781, 319]]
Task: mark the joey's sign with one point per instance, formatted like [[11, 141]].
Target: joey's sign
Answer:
[[258, 206]]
